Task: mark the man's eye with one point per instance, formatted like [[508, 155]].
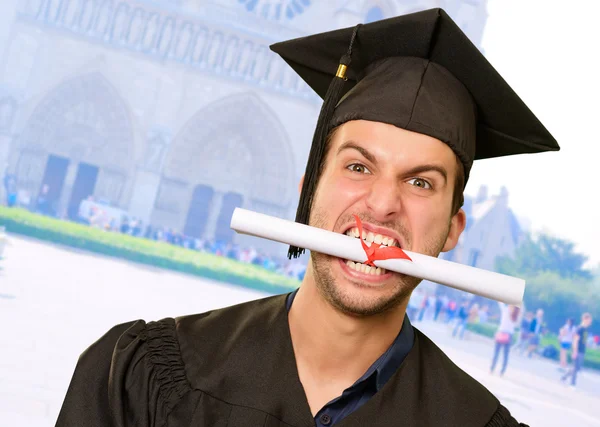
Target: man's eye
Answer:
[[420, 182], [357, 167]]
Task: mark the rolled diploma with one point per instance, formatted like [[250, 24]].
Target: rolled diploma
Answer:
[[477, 281]]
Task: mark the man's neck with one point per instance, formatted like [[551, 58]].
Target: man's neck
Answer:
[[336, 346]]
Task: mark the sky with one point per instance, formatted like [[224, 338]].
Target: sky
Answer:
[[548, 52]]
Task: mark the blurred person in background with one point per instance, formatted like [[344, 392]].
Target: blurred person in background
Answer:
[[473, 314], [579, 346], [43, 202], [451, 310], [423, 306], [440, 306], [461, 320], [509, 320], [484, 313], [10, 186], [524, 333], [565, 338], [536, 328], [431, 306]]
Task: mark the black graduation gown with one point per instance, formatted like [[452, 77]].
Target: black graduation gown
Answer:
[[235, 367]]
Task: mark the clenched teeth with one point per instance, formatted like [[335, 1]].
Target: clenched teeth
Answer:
[[363, 268], [370, 237]]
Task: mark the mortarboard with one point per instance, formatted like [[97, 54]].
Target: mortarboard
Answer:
[[419, 72]]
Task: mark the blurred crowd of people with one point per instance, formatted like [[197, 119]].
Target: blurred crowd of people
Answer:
[[425, 305], [514, 330], [99, 217]]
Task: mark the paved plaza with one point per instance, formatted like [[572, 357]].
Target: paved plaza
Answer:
[[54, 302]]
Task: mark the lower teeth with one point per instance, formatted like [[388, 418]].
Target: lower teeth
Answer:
[[363, 268]]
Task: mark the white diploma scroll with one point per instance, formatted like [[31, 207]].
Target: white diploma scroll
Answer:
[[486, 283]]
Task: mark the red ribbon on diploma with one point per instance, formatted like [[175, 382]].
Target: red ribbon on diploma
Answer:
[[375, 252]]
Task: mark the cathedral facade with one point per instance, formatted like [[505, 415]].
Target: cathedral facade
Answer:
[[174, 112]]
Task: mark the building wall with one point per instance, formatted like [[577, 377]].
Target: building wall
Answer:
[[492, 231]]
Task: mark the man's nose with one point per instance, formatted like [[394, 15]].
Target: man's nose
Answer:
[[383, 200]]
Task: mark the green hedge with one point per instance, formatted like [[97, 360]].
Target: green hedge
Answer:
[[486, 329], [592, 356], [144, 251]]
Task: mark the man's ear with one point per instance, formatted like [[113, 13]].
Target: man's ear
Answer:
[[300, 184], [457, 226]]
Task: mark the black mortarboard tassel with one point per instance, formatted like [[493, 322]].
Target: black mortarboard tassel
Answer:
[[317, 150]]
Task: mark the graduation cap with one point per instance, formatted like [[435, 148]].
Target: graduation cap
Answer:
[[419, 72]]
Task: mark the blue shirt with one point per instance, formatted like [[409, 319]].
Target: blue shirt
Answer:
[[371, 382]]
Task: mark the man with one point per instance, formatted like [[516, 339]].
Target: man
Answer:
[[579, 346], [484, 314], [535, 332], [412, 105], [441, 305], [43, 202], [461, 321], [524, 333], [10, 185]]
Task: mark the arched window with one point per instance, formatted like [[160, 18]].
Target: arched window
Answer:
[[231, 52], [374, 14], [151, 32], [136, 27], [120, 22], [166, 37], [102, 24], [184, 41], [87, 15], [215, 50], [201, 45]]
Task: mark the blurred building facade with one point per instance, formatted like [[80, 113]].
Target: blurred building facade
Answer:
[[174, 111], [492, 230]]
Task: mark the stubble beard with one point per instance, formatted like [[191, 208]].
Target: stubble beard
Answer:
[[359, 305]]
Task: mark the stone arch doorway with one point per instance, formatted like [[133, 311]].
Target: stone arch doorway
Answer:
[[78, 142], [231, 200], [197, 216], [206, 201], [238, 148]]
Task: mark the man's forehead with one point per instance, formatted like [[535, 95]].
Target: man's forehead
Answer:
[[374, 128], [387, 141]]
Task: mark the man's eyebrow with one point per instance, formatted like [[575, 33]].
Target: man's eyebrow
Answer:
[[428, 168], [351, 145]]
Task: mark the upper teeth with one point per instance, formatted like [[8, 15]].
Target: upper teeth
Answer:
[[371, 237]]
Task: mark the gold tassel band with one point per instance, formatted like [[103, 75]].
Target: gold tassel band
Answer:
[[341, 72]]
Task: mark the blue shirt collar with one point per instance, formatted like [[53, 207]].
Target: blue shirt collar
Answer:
[[389, 362]]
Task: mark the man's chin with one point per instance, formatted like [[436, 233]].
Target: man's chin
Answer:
[[360, 298], [356, 293], [364, 306]]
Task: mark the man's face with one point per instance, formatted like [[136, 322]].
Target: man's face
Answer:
[[587, 322], [400, 184]]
